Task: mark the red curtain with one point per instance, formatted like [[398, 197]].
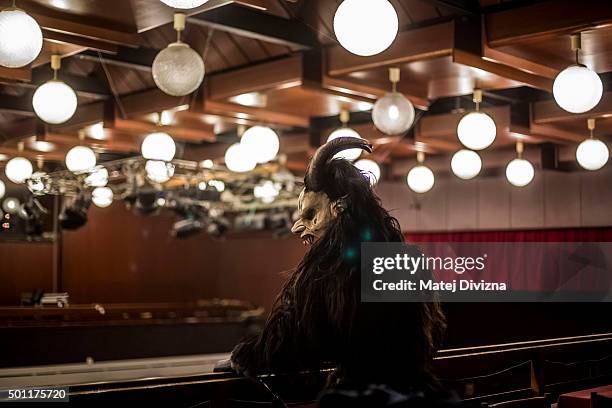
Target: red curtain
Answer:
[[550, 235]]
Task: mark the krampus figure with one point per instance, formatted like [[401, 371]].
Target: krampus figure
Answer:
[[318, 318]]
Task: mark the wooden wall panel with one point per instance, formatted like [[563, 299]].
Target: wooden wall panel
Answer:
[[561, 199], [24, 267], [462, 207], [493, 204], [432, 213], [597, 197], [527, 205]]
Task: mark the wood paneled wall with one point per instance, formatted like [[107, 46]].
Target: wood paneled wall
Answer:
[[552, 200], [24, 267]]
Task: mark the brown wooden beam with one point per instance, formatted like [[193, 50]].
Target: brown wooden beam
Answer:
[[205, 133], [19, 74], [545, 19], [549, 112], [412, 45], [237, 112]]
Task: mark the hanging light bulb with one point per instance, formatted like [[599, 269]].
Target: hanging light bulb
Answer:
[[18, 169], [393, 114], [345, 131], [476, 130], [262, 142], [159, 171], [466, 164], [592, 154], [178, 70], [54, 102], [80, 159], [21, 37], [2, 189], [365, 28], [577, 89], [238, 159], [11, 205], [158, 146], [102, 196], [266, 191], [369, 169], [420, 178], [519, 171], [184, 4], [97, 178]]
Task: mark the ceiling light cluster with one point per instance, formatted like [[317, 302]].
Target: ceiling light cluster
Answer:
[[258, 145]]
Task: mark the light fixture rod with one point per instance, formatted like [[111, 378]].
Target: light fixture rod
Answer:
[[179, 24], [420, 157], [394, 77], [576, 44], [477, 98], [520, 147], [344, 117], [81, 135], [56, 64], [591, 126], [20, 146]]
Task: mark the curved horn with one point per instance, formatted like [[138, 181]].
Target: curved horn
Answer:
[[316, 170]]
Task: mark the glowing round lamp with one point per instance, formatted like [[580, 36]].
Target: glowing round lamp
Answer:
[[102, 197], [18, 170], [54, 102], [592, 154], [393, 114], [348, 154], [11, 205], [97, 178], [238, 159], [159, 171], [365, 27], [178, 70], [218, 185], [80, 159], [476, 130], [261, 142], [21, 37], [266, 191], [184, 4], [420, 179], [577, 89], [2, 189], [519, 172], [158, 146], [369, 169], [466, 164]]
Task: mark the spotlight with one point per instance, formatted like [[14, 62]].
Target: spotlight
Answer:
[[74, 211], [187, 227]]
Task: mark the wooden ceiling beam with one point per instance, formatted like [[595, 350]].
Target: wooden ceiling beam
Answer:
[[204, 133], [19, 74], [545, 19], [92, 44], [32, 154], [140, 59], [411, 45], [250, 23], [237, 112], [549, 112]]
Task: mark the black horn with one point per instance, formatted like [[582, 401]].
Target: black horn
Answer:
[[324, 154]]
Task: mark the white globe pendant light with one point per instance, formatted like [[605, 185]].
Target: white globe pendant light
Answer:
[[21, 39], [261, 142], [393, 114], [184, 4], [345, 131], [519, 171], [466, 164], [577, 89], [420, 178], [369, 169], [159, 171], [102, 197], [158, 146], [18, 170], [365, 27], [97, 178], [592, 154], [81, 159], [54, 102], [2, 189], [11, 205], [178, 70], [476, 130], [238, 159]]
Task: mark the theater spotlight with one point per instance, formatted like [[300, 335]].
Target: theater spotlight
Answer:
[[74, 211], [33, 212], [187, 227]]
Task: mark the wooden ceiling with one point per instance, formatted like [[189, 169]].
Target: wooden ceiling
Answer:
[[281, 57]]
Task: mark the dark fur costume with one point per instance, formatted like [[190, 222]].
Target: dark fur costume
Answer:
[[318, 317]]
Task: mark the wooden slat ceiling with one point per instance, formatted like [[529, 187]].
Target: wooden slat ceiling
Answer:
[[437, 50]]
